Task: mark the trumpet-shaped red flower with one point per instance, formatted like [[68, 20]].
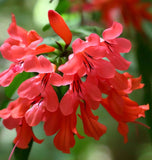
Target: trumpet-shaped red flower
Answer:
[[24, 131], [118, 104], [64, 139], [42, 97], [64, 126], [88, 57], [24, 135], [36, 97], [21, 48], [115, 46], [78, 90]]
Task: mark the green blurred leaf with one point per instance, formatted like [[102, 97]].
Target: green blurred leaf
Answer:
[[46, 27], [84, 31], [63, 6], [10, 90]]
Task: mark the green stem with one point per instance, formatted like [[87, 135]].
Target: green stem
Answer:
[[23, 154]]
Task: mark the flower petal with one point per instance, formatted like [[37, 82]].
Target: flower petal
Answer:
[[33, 39], [90, 124], [64, 139], [7, 76], [40, 64], [68, 103], [122, 45], [30, 88], [34, 115], [44, 49], [112, 32], [118, 61], [11, 123], [104, 69], [17, 32], [72, 66], [12, 52], [51, 98], [123, 130], [52, 122], [96, 52]]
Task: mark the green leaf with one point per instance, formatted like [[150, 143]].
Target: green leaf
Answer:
[[10, 90], [46, 27], [84, 31], [63, 6]]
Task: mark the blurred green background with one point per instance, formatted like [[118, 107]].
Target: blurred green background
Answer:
[[32, 14]]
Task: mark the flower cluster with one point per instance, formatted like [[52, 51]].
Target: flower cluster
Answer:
[[131, 12], [90, 72]]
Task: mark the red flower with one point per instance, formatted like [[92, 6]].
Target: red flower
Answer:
[[41, 95], [24, 131], [24, 135], [78, 90], [118, 104], [21, 48], [115, 46], [131, 11], [64, 140], [64, 126], [36, 97], [87, 58]]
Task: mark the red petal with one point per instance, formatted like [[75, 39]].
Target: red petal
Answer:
[[30, 88], [52, 123], [56, 79], [136, 83], [24, 136], [50, 98], [118, 61], [122, 45], [44, 49], [67, 103], [91, 126], [64, 139], [33, 39], [7, 76], [17, 32], [119, 82], [40, 64], [11, 123], [96, 52], [59, 26], [35, 114], [92, 89], [104, 69], [112, 32], [123, 130], [72, 66], [116, 103], [12, 52], [4, 113], [19, 107]]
